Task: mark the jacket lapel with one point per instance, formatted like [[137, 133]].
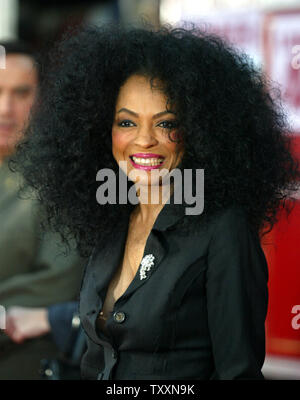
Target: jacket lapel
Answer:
[[155, 247], [106, 262]]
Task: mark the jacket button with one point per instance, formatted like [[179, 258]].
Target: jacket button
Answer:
[[119, 316]]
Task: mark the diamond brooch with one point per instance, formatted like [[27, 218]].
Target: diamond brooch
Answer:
[[146, 264]]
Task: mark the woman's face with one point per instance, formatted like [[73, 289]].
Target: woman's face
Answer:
[[140, 130]]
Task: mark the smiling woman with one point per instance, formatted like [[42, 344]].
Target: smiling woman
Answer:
[[165, 295]]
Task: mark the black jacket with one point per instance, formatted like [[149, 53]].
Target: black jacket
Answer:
[[198, 314]]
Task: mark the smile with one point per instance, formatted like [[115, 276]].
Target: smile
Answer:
[[146, 161]]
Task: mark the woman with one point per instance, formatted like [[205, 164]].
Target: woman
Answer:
[[167, 293]]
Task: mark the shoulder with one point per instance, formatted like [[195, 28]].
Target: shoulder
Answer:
[[232, 233], [234, 214], [234, 244], [232, 220]]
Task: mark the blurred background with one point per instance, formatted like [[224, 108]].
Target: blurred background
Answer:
[[269, 31]]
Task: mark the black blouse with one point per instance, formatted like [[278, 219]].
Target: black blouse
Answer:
[[197, 313]]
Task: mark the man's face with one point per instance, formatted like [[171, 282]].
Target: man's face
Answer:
[[18, 85]]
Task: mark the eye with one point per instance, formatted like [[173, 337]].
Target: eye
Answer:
[[168, 125], [22, 93], [126, 123]]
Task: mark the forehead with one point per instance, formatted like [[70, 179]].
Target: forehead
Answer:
[[137, 90], [19, 70]]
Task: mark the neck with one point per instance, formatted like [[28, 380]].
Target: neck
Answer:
[[151, 203]]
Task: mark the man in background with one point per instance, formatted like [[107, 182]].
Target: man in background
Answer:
[[33, 271]]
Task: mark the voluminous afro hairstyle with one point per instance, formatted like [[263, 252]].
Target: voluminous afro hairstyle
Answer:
[[231, 126]]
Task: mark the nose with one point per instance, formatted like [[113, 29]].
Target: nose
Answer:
[[145, 137], [6, 105]]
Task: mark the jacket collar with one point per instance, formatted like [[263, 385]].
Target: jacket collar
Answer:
[[170, 214]]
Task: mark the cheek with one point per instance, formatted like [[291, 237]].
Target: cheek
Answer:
[[119, 141], [23, 110], [173, 148]]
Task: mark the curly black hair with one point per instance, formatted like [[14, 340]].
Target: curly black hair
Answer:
[[232, 125]]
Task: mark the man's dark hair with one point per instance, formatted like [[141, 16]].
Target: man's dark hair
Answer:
[[21, 47], [18, 46]]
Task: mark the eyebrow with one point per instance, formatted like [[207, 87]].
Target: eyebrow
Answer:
[[23, 87], [160, 114]]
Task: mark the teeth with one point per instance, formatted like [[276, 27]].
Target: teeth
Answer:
[[147, 161]]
